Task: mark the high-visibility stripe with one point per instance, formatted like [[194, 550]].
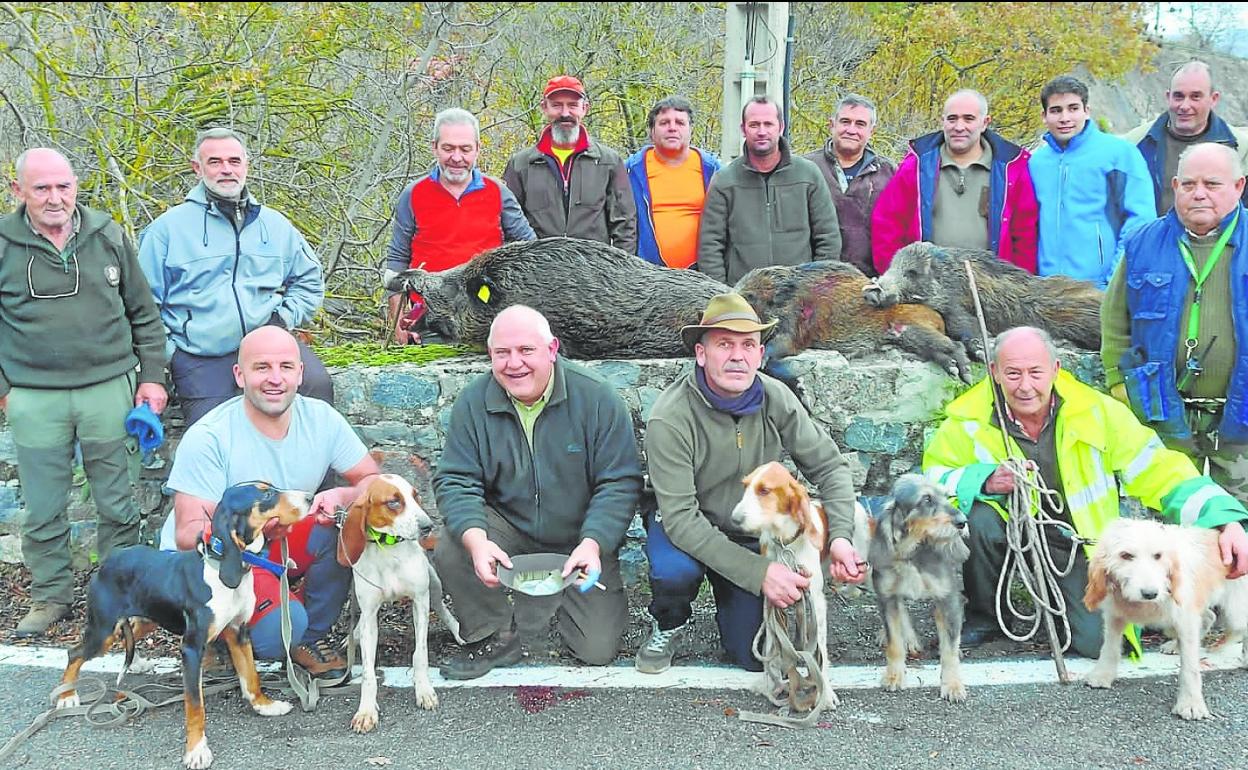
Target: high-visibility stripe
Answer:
[[946, 478], [1141, 461], [1193, 505], [1099, 487], [982, 453]]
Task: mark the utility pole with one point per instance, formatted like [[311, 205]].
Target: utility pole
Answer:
[[754, 54]]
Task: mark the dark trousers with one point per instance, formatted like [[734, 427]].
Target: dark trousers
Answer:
[[983, 569], [676, 577], [201, 383], [591, 623]]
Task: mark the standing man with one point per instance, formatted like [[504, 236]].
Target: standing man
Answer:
[[963, 186], [274, 434], [569, 184], [450, 215], [540, 457], [1093, 188], [707, 431], [1084, 444], [221, 265], [1188, 120], [766, 207], [76, 321], [669, 180], [855, 174], [1175, 318]]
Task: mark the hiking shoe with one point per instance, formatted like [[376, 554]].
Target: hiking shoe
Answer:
[[655, 654], [479, 658], [978, 630], [41, 615], [320, 659]]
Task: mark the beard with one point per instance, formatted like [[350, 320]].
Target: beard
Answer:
[[564, 134], [456, 175]]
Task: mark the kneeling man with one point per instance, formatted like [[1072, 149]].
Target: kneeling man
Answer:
[[540, 456]]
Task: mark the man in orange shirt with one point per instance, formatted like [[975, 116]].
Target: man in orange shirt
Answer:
[[669, 180]]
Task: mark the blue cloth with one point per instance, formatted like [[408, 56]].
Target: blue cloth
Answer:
[[635, 166], [675, 578], [145, 425], [748, 402], [1157, 283], [214, 285], [1092, 194]]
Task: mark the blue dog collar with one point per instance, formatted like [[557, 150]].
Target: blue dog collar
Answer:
[[215, 550]]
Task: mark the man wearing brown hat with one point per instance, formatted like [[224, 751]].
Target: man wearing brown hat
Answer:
[[710, 428], [569, 184]]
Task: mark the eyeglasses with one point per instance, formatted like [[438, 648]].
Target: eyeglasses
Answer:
[[30, 277]]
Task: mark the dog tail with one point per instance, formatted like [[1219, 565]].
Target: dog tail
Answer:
[[127, 643]]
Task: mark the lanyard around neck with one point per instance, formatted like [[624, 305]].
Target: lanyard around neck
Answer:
[[1193, 320]]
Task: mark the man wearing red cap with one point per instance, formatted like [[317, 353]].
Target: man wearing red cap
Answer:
[[569, 184]]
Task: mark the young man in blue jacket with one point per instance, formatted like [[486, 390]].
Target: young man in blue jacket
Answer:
[[221, 265], [1093, 188]]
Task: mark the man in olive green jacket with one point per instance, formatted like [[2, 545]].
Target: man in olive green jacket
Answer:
[[708, 430], [569, 184], [767, 207], [540, 457], [81, 344]]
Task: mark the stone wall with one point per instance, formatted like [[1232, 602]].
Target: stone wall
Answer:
[[879, 412]]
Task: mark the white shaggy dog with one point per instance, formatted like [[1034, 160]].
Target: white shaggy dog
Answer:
[[1163, 576]]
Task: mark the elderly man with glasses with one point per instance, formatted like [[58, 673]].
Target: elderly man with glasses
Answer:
[[81, 343]]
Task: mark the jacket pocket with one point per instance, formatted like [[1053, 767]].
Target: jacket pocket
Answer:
[[1151, 295]]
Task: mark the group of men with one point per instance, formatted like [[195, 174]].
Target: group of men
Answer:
[[540, 454]]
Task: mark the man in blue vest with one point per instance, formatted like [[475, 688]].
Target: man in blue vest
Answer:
[[1188, 120], [1175, 312]]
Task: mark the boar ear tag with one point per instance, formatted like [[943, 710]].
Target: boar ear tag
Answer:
[[482, 290]]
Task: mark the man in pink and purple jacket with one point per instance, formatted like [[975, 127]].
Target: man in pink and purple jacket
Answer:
[[961, 186]]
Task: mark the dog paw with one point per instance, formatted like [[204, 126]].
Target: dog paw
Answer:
[[68, 701], [1169, 647], [426, 698], [274, 708], [1100, 679], [364, 720], [199, 757], [954, 692], [1191, 708], [893, 680]]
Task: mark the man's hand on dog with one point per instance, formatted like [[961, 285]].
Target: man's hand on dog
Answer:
[[486, 555], [326, 503], [846, 565], [782, 586], [1234, 545]]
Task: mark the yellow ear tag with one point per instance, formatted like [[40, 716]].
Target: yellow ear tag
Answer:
[[483, 294]]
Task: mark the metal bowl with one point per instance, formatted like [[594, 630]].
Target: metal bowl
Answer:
[[537, 574]]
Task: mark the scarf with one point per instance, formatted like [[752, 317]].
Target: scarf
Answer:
[[748, 402]]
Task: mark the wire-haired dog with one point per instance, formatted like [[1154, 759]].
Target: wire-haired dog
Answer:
[[1162, 575], [919, 542]]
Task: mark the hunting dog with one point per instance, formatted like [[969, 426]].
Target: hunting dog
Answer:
[[1166, 576], [200, 595], [777, 508], [381, 542], [918, 545]]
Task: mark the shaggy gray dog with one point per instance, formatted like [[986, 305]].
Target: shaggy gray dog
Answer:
[[934, 276], [601, 302]]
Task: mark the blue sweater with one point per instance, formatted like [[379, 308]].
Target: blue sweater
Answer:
[[1092, 193]]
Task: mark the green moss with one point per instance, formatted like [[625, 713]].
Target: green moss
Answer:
[[373, 354]]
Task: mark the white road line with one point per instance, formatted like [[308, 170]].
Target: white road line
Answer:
[[706, 677]]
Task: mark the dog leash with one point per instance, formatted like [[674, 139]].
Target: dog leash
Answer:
[[784, 654]]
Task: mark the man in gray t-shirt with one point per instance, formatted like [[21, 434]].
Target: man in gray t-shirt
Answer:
[[272, 434]]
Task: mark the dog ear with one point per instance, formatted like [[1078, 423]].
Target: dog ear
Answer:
[[1098, 581], [798, 504], [352, 537], [224, 520]]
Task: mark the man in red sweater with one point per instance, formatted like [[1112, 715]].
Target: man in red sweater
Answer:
[[450, 215]]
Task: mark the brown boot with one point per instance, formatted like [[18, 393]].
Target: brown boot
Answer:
[[319, 659], [41, 615]]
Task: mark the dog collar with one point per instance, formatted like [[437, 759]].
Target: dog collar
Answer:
[[382, 538], [213, 549]]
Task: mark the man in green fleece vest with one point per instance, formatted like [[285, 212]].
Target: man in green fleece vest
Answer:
[[80, 344]]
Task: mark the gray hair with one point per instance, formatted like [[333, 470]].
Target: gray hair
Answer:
[[983, 100], [217, 132], [999, 341], [1229, 156], [454, 116], [1195, 65], [20, 165], [855, 100], [536, 320]]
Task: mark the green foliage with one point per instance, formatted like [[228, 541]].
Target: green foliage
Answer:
[[375, 354]]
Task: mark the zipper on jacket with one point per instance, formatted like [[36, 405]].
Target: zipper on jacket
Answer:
[[238, 255]]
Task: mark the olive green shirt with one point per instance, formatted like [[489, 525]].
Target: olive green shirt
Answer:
[[960, 205], [528, 413]]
